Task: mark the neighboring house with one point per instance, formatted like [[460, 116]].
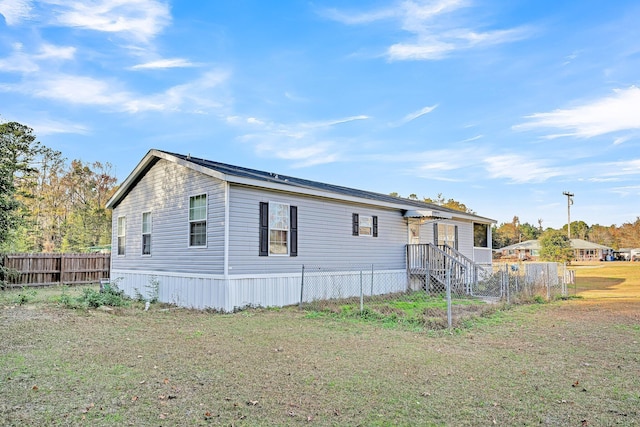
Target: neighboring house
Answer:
[[212, 235], [583, 250]]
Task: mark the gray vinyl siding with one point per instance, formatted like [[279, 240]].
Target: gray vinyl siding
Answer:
[[465, 238], [324, 234], [164, 191]]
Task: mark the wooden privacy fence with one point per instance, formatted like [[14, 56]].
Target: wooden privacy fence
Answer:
[[54, 269]]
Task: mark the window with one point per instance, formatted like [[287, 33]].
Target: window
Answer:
[[364, 225], [198, 220], [278, 229], [146, 233], [446, 234], [480, 235], [122, 230]]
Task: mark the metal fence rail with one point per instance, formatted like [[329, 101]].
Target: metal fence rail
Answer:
[[390, 290], [53, 269], [513, 281], [322, 283]]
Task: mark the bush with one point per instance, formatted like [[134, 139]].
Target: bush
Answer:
[[110, 296], [25, 296]]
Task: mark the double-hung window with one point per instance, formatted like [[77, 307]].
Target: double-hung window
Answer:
[[146, 233], [122, 234], [363, 225], [278, 229], [446, 234], [198, 220]]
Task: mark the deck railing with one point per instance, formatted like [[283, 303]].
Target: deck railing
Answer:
[[432, 263]]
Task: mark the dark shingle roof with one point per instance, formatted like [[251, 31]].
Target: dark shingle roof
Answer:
[[270, 177], [305, 183]]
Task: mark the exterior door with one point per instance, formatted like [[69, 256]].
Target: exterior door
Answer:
[[414, 233]]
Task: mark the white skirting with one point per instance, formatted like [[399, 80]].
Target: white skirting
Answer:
[[268, 290]]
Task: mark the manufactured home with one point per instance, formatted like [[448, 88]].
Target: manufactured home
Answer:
[[206, 234]]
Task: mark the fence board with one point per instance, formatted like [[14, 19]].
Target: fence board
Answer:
[[54, 269]]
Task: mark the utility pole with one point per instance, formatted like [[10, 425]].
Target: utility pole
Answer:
[[569, 203]]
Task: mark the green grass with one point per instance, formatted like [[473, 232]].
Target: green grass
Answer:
[[416, 311], [572, 362]]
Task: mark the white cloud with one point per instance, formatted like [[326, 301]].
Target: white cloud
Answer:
[[24, 62], [49, 127], [49, 51], [610, 114], [630, 190], [138, 20], [519, 169], [421, 112], [193, 97], [359, 18], [15, 11], [76, 90], [164, 63], [435, 31], [304, 143], [301, 153]]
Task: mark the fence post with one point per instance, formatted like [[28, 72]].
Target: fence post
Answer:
[[371, 294], [361, 294], [301, 288], [448, 284], [548, 284], [60, 281]]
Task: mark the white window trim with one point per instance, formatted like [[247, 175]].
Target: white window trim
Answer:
[[123, 235], [142, 233], [206, 220], [486, 237], [446, 224], [288, 230], [360, 218]]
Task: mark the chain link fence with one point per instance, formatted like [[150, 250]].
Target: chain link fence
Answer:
[[360, 282], [514, 282], [431, 299]]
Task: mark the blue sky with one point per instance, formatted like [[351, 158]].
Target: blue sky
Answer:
[[499, 105]]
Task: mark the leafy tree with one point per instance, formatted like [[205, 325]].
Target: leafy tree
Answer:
[[449, 203], [603, 235], [88, 187], [579, 230], [18, 147], [529, 232], [628, 235], [555, 246]]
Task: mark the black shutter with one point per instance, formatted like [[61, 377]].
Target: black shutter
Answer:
[[293, 218], [435, 234], [355, 224], [264, 229], [455, 243], [375, 226]]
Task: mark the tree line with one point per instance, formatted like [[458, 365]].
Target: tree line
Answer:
[[47, 203], [625, 236]]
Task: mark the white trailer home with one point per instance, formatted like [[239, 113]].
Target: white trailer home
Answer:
[[212, 235]]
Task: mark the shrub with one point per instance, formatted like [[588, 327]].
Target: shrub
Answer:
[[109, 296]]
